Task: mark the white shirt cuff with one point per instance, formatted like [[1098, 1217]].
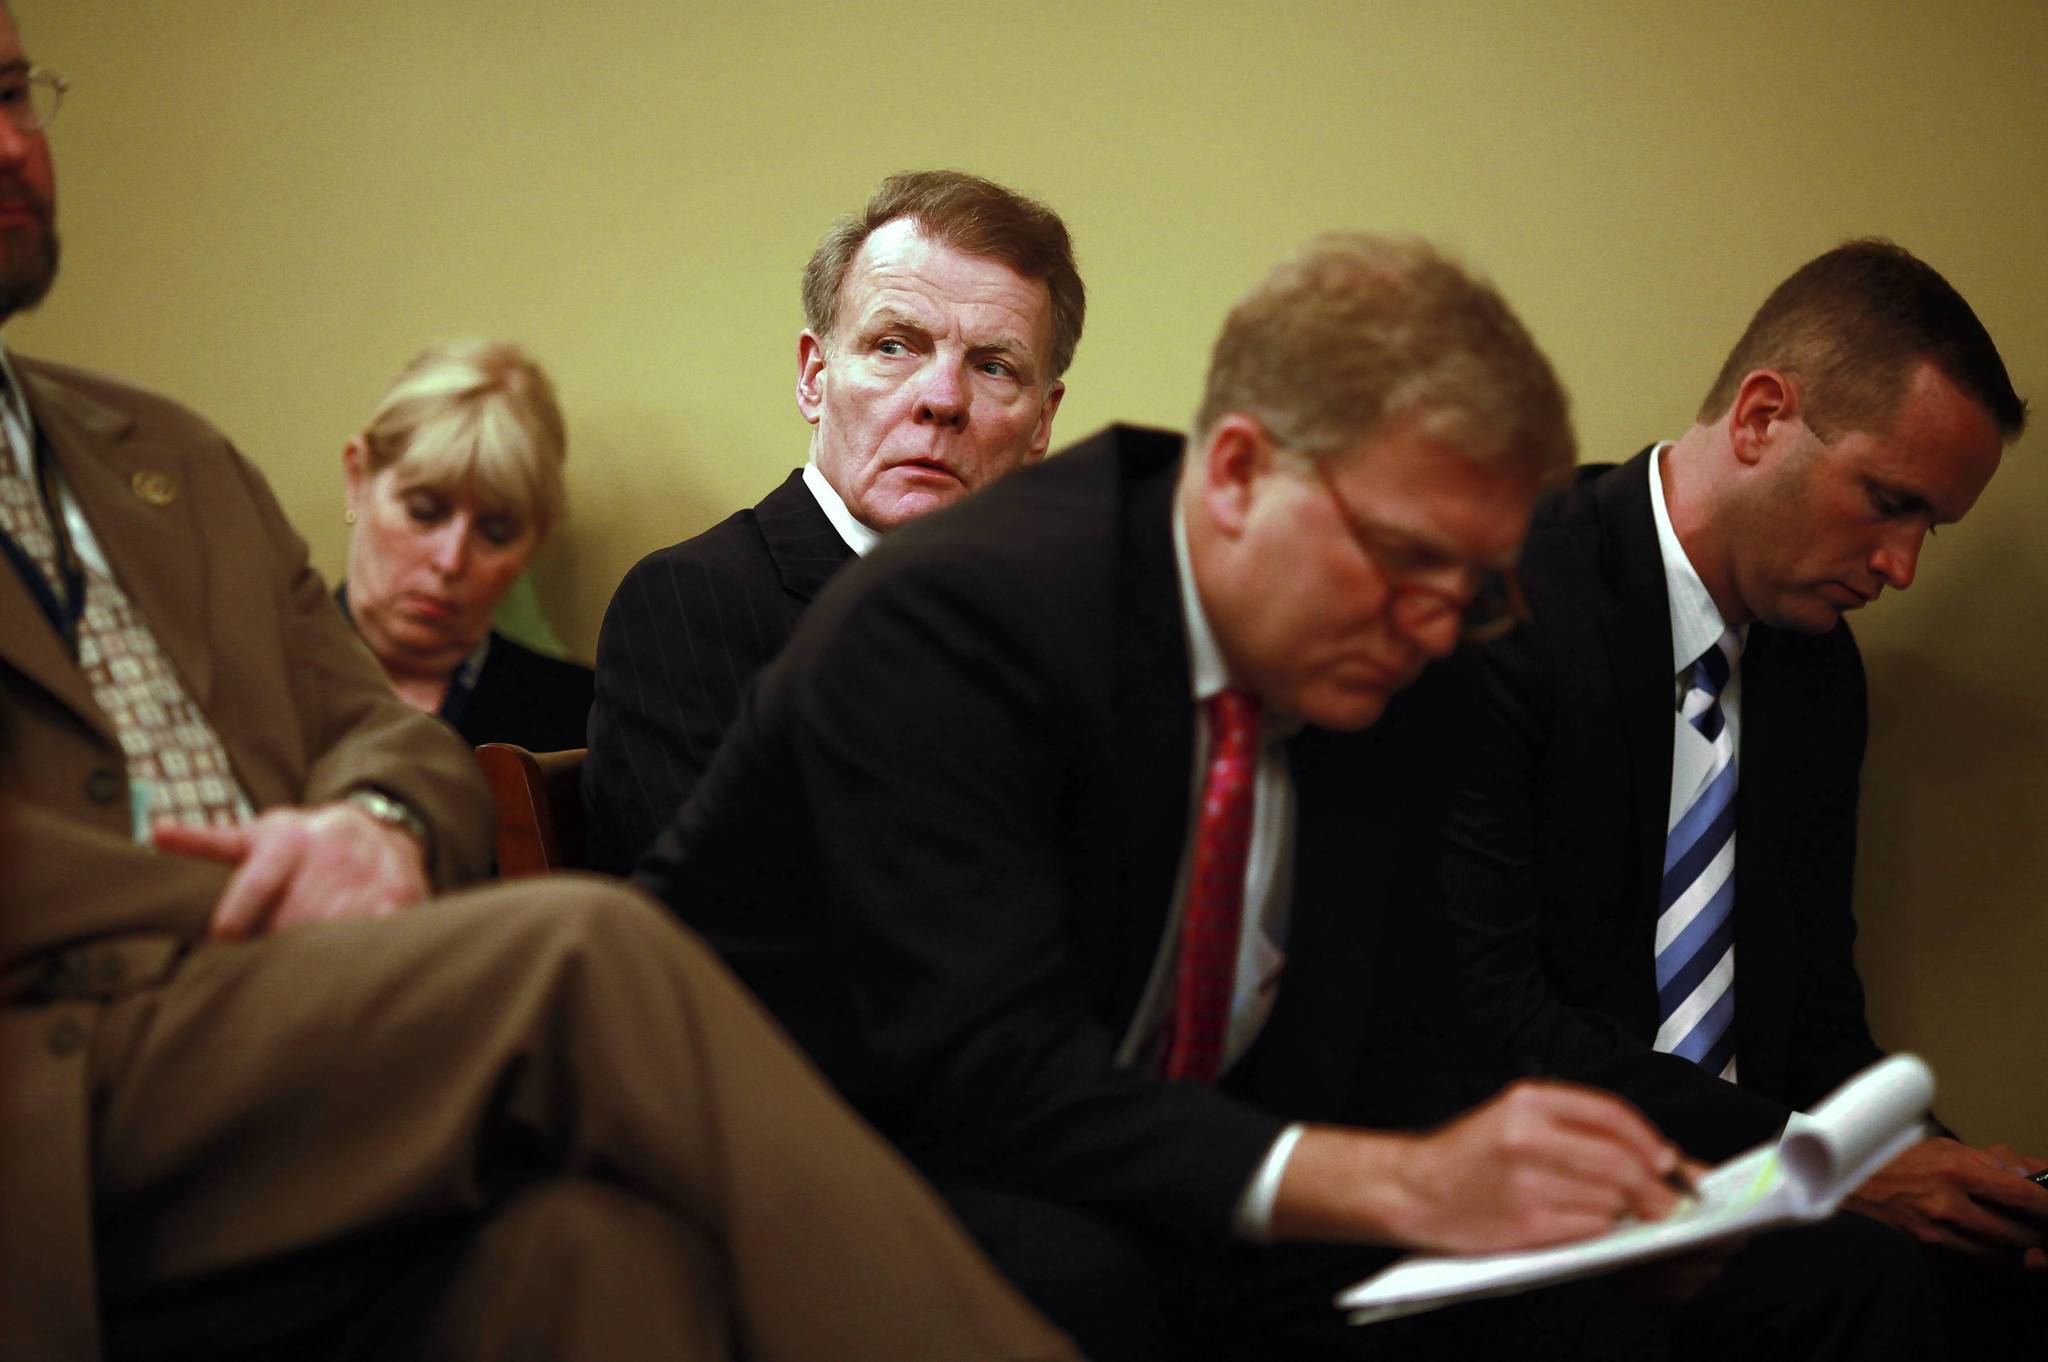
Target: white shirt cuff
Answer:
[[1254, 1218]]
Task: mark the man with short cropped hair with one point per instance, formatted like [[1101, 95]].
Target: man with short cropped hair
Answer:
[[1652, 850], [938, 321]]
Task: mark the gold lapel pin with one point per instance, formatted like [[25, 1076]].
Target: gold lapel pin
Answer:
[[158, 489]]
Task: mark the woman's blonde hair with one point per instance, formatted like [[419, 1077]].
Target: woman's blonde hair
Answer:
[[476, 411]]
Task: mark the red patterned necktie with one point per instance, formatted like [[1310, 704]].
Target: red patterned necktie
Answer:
[[1209, 927]]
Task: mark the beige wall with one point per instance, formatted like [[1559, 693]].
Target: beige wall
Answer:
[[267, 207]]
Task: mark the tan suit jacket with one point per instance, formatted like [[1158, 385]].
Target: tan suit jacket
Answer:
[[197, 541], [190, 1133]]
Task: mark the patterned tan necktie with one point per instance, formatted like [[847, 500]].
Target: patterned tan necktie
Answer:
[[1207, 973], [174, 757]]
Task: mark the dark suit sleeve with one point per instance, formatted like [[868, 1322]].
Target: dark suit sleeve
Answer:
[[1497, 896], [940, 752], [681, 639]]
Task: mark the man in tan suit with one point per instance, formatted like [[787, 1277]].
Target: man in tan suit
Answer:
[[260, 1097]]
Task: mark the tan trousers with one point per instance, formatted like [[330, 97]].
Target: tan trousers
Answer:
[[656, 1172]]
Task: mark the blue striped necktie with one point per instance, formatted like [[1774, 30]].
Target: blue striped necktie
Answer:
[[1696, 910]]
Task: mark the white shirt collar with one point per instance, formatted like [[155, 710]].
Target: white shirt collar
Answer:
[[1205, 660], [1696, 622], [21, 426], [860, 538], [1208, 674]]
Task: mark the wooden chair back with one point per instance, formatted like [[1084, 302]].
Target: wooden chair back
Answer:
[[539, 802]]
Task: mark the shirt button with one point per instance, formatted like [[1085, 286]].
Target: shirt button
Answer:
[[103, 786], [66, 1038]]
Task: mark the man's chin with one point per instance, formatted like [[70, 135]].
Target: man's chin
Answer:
[[1815, 613], [26, 272], [901, 507], [1346, 710]]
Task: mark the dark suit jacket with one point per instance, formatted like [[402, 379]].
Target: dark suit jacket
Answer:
[[942, 838], [685, 632], [541, 703], [1557, 838], [521, 696]]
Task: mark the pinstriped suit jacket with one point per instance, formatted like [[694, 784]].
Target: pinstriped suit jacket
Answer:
[[685, 632]]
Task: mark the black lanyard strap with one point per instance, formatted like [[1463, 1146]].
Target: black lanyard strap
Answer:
[[63, 601]]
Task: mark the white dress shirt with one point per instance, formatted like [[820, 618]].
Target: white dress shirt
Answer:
[[20, 429], [1268, 894], [1695, 624], [860, 538]]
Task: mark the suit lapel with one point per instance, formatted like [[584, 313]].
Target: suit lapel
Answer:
[[801, 540], [130, 489], [133, 490], [1636, 631], [33, 647], [1766, 946], [1154, 720]]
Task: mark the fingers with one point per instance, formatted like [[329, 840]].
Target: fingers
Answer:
[[1944, 1192], [257, 889], [1542, 1163], [1546, 1206], [307, 865], [1996, 1178], [1584, 1170], [2011, 1160], [1977, 1227], [2007, 1188], [2012, 1196], [1608, 1118], [226, 845], [1597, 1141]]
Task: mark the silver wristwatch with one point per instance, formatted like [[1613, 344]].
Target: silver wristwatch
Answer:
[[394, 813]]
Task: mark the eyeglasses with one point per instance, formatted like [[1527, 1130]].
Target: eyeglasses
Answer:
[[31, 97], [1491, 606]]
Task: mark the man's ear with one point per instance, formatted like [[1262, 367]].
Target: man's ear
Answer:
[[1766, 405], [1237, 455], [1041, 435], [810, 376]]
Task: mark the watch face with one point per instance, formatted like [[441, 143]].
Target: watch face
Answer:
[[391, 812]]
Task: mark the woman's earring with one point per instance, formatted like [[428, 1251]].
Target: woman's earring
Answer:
[[348, 516]]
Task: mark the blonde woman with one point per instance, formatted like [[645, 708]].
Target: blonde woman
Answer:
[[452, 486]]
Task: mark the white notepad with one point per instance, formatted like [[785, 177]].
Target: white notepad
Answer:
[[1801, 1176]]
